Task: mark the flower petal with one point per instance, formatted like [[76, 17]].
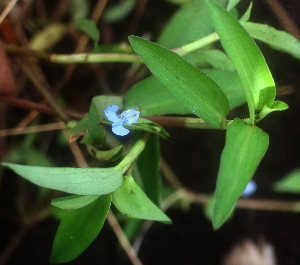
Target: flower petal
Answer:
[[120, 130], [110, 113], [250, 189], [130, 116]]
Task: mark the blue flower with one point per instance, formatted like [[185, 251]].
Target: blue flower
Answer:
[[126, 117], [250, 189]]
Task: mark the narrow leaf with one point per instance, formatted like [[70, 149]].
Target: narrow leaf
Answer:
[[245, 146], [132, 201], [78, 229], [246, 56], [194, 90], [81, 181], [276, 39], [187, 25], [232, 4]]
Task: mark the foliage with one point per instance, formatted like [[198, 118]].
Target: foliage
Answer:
[[191, 80]]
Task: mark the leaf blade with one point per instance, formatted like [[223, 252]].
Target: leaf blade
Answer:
[[245, 146], [78, 229], [132, 201], [246, 56], [80, 181], [194, 90]]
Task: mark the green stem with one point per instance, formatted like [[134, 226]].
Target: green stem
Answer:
[[186, 122], [193, 46], [134, 152], [95, 58], [107, 57]]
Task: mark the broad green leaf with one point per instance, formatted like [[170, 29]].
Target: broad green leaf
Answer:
[[231, 85], [189, 24], [276, 39], [133, 202], [81, 181], [245, 146], [214, 58], [111, 155], [150, 97], [118, 11], [194, 90], [78, 229], [89, 27], [290, 183], [148, 164], [246, 56], [73, 201]]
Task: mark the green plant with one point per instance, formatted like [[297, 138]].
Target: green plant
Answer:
[[191, 78]]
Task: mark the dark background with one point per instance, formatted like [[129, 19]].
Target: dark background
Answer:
[[193, 155]]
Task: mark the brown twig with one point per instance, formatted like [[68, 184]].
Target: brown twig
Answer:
[[42, 108], [33, 129], [123, 239], [83, 41], [7, 9], [43, 89], [283, 17]]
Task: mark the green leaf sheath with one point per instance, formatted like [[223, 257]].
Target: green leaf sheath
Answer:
[[245, 146], [81, 181], [78, 229], [193, 89], [246, 57]]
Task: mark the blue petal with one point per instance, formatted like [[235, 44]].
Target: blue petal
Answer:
[[119, 130], [130, 116], [110, 113], [250, 189]]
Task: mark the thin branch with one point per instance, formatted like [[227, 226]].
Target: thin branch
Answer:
[[123, 239], [33, 129], [82, 43], [42, 108], [7, 9], [43, 89], [283, 17]]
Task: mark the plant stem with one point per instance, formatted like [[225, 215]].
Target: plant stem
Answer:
[[44, 91], [134, 152], [186, 122], [108, 57], [95, 58], [193, 46]]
